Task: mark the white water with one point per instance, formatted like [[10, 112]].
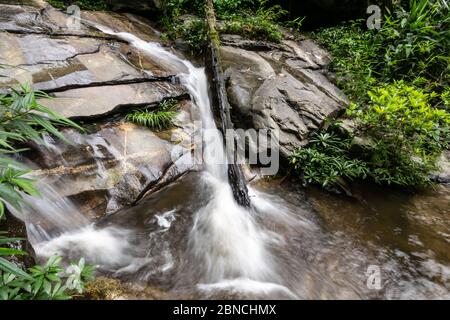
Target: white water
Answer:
[[224, 238], [228, 247]]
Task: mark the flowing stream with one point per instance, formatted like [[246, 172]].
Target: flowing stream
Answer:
[[192, 238]]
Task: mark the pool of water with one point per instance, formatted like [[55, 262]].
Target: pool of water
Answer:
[[381, 244]]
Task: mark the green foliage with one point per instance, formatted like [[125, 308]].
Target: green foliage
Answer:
[[159, 119], [445, 97], [382, 73], [47, 282], [249, 18], [226, 8], [260, 24], [83, 4], [403, 115], [353, 50], [23, 118], [325, 161], [415, 42], [406, 135], [193, 30]]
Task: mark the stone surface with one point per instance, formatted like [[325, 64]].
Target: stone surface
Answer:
[[281, 89], [115, 164], [442, 175], [93, 76], [95, 102]]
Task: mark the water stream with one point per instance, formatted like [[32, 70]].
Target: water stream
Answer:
[[192, 239]]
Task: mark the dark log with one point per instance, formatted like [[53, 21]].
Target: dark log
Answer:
[[235, 175]]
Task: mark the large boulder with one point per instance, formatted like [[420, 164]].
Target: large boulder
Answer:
[[280, 87], [114, 164], [95, 77]]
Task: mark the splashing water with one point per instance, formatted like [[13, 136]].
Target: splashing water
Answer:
[[228, 245], [224, 236]]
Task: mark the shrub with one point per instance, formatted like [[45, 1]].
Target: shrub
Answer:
[[249, 18], [326, 160], [406, 135], [47, 282], [403, 115], [382, 73], [415, 42], [259, 25]]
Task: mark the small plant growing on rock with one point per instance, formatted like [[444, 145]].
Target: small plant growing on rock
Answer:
[[158, 119]]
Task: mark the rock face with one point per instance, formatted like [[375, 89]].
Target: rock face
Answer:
[[280, 87], [115, 164], [94, 77], [442, 175]]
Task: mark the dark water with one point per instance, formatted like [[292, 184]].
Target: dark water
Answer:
[[322, 245]]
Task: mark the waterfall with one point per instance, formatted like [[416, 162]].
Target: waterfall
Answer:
[[226, 247], [224, 237]]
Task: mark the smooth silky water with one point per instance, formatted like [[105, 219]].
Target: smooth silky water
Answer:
[[191, 239]]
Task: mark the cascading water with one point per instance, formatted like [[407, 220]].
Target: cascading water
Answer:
[[200, 243], [226, 246], [224, 236]]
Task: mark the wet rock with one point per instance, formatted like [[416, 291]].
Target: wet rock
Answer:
[[282, 89], [40, 48], [442, 174], [95, 77], [15, 228], [103, 288], [95, 102], [115, 166], [123, 22]]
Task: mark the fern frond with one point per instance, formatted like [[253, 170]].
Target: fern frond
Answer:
[[160, 119]]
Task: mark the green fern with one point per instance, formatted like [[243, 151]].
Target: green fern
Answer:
[[159, 119]]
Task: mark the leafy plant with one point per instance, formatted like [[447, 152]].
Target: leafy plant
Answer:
[[249, 18], [353, 50], [398, 79], [159, 119], [406, 135], [415, 41], [22, 118], [326, 160], [402, 114], [260, 25], [47, 282]]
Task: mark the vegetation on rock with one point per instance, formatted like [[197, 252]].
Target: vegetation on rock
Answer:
[[397, 79], [159, 119], [253, 19]]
